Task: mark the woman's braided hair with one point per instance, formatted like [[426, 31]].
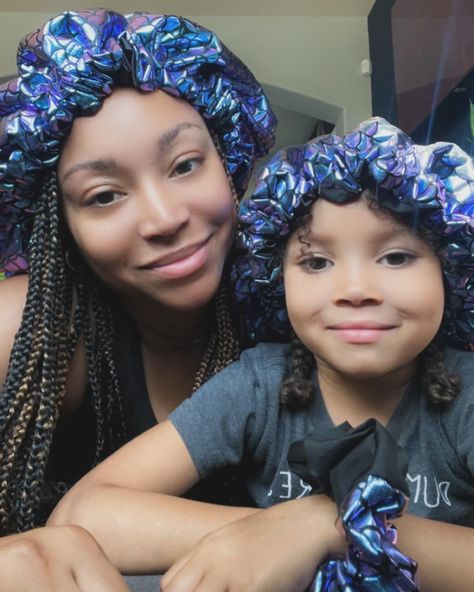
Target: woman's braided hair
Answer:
[[64, 305], [61, 307]]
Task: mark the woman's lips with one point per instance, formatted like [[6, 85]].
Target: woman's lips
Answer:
[[181, 264]]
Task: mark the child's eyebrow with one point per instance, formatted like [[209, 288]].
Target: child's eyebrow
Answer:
[[327, 240]]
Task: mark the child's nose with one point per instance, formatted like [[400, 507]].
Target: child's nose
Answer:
[[160, 215], [357, 285]]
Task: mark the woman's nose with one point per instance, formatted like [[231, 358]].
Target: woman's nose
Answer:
[[160, 213], [358, 285]]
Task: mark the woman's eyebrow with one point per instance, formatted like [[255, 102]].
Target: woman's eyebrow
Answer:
[[167, 139], [108, 164], [101, 165]]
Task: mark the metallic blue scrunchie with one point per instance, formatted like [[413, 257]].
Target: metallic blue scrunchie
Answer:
[[71, 64], [434, 184], [372, 562], [364, 470]]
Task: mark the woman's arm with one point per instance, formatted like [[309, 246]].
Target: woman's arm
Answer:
[[56, 559], [127, 503], [443, 551]]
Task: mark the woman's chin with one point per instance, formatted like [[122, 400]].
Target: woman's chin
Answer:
[[193, 296]]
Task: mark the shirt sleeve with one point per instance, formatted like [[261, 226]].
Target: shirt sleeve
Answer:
[[228, 416]]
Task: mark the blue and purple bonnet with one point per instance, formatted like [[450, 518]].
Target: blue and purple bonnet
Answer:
[[433, 184], [72, 63]]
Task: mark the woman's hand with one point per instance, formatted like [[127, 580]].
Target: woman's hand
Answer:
[[56, 559], [274, 550]]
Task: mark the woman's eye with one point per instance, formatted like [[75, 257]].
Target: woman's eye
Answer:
[[397, 259], [315, 264], [104, 199], [186, 166]]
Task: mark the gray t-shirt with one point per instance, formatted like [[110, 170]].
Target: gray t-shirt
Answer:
[[236, 419]]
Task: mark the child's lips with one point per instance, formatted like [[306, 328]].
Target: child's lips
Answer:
[[361, 332]]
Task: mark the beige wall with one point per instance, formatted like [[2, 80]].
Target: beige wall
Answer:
[[309, 64]]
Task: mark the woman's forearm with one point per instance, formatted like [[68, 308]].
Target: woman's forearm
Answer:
[[142, 532], [443, 551]]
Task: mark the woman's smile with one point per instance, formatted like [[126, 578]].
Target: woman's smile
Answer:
[[181, 263], [158, 223]]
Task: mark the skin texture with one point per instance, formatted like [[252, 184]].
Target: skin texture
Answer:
[[90, 570]]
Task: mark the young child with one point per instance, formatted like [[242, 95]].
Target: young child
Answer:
[[368, 238]]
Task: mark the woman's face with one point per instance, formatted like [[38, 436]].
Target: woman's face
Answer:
[[147, 199]]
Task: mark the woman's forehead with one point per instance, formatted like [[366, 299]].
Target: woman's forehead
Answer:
[[131, 120], [140, 107]]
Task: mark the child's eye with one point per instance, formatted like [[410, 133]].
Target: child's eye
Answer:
[[315, 263], [397, 259], [186, 166], [104, 199]]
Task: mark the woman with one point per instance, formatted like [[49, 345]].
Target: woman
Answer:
[[124, 220]]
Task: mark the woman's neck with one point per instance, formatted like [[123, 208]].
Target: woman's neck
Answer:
[[172, 344], [357, 399], [164, 327]]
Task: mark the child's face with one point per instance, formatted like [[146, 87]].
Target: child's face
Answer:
[[363, 293]]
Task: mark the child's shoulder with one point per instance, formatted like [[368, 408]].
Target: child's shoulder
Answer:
[[266, 354], [461, 363], [458, 415]]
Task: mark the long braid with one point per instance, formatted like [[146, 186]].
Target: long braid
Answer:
[[224, 344], [33, 384], [106, 397], [60, 308], [52, 373], [437, 383], [298, 388]]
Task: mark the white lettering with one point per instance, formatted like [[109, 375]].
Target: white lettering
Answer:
[[306, 489], [286, 485], [416, 479], [432, 492]]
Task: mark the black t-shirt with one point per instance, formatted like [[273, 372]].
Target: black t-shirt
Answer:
[[73, 447]]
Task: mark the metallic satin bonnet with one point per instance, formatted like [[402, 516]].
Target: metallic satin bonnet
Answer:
[[71, 64], [432, 184]]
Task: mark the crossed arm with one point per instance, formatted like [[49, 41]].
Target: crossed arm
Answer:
[[128, 504]]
